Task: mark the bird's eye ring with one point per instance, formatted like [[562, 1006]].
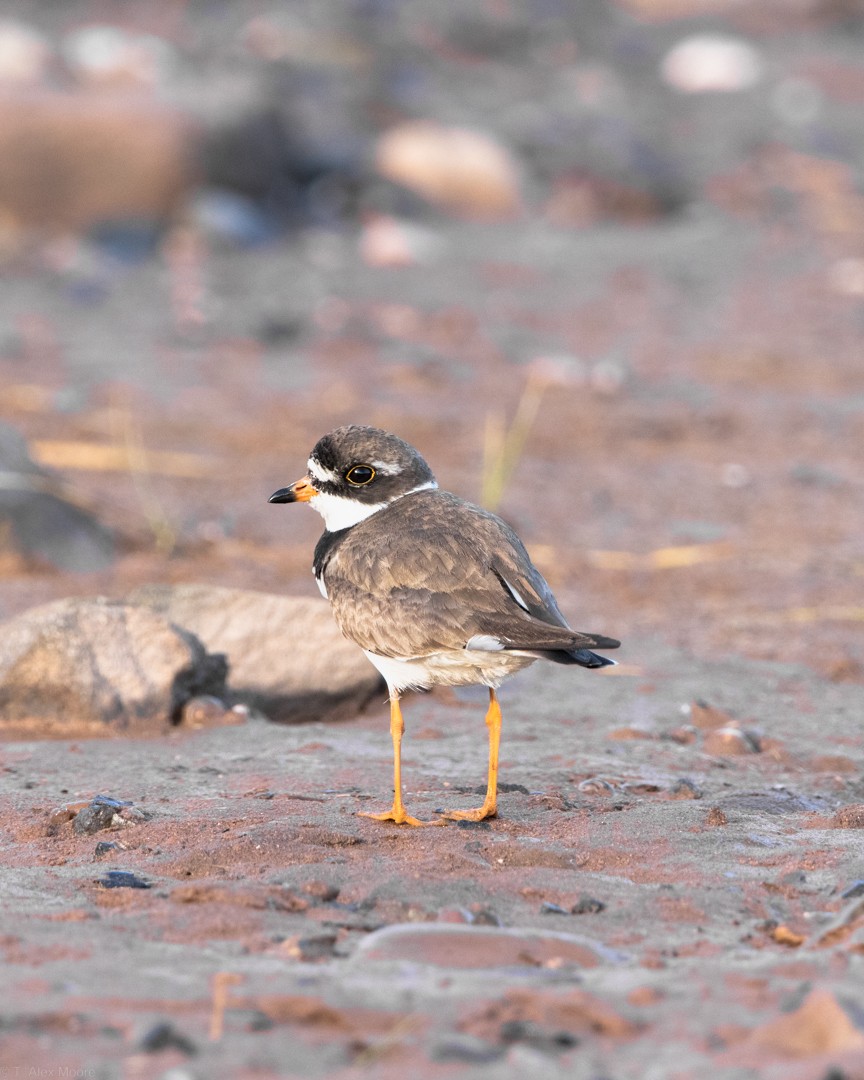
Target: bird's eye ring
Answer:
[[358, 475]]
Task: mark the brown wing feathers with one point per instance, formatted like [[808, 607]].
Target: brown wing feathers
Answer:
[[453, 583]]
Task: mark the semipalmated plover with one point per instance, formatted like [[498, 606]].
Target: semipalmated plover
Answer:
[[434, 589]]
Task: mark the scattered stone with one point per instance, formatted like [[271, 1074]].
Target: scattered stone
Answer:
[[96, 666], [640, 787], [164, 1036], [42, 523], [716, 817], [547, 1042], [122, 879], [473, 947], [596, 785], [624, 734], [730, 742], [66, 813], [311, 948], [103, 55], [849, 817], [25, 54], [287, 656], [684, 789], [559, 1019], [321, 890], [100, 813], [207, 711], [587, 905], [706, 63], [684, 734], [114, 157], [459, 1047], [464, 171], [705, 716], [820, 1026], [105, 847], [484, 916], [784, 936], [843, 923]]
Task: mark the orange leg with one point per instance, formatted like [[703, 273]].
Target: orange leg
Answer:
[[398, 813], [490, 803]]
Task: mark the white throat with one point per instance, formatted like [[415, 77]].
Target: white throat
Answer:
[[341, 513]]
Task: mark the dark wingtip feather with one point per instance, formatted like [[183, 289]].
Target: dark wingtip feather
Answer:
[[589, 659]]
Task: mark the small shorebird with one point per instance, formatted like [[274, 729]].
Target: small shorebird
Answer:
[[434, 589]]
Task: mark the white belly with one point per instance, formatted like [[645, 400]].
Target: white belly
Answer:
[[461, 667]]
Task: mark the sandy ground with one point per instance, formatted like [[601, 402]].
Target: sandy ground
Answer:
[[707, 884]]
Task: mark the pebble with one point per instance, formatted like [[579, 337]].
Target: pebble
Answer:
[[587, 905], [164, 1036], [309, 949], [468, 1048], [849, 817], [595, 785], [104, 848], [122, 879], [25, 54], [684, 789], [95, 817], [711, 63], [730, 742], [450, 945]]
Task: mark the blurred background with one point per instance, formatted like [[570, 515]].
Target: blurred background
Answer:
[[602, 262]]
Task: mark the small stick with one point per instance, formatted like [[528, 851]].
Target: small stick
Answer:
[[222, 980]]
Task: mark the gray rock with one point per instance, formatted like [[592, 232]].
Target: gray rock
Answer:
[[43, 523], [96, 666], [287, 656]]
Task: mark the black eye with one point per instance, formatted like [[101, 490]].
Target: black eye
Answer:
[[358, 475]]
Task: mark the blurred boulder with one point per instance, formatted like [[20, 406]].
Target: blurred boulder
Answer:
[[104, 55], [706, 63], [39, 521], [286, 654], [69, 161], [25, 55], [463, 171], [98, 667], [259, 156]]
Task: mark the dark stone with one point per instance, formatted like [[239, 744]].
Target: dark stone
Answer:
[[122, 879], [549, 1042], [93, 818], [465, 1048], [547, 908], [164, 1036], [43, 524], [587, 905]]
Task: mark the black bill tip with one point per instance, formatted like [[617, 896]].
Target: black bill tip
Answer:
[[283, 495]]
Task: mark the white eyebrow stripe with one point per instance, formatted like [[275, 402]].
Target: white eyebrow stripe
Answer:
[[319, 472], [386, 468]]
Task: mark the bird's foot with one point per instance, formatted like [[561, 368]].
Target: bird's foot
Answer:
[[479, 813], [398, 815]]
